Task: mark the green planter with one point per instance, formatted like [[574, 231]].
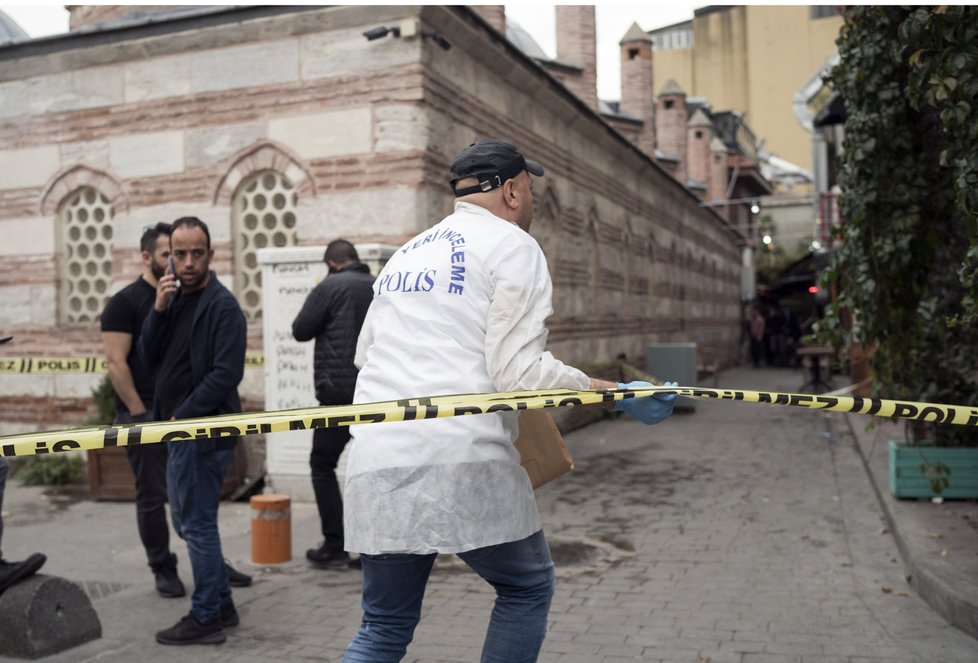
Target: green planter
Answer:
[[907, 479]]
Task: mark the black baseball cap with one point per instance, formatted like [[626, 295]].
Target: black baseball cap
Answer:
[[491, 160]]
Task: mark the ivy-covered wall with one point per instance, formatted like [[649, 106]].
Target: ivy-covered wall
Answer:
[[905, 275]]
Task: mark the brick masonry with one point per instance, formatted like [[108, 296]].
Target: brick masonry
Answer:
[[575, 25], [671, 130], [699, 134], [494, 15], [633, 257], [717, 184], [637, 92]]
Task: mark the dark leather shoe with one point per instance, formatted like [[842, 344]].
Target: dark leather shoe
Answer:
[[13, 572], [188, 631], [323, 558], [236, 578], [168, 584], [229, 616]]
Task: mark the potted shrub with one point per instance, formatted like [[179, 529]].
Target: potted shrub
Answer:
[[906, 269]]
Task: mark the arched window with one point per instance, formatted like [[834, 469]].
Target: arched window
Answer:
[[264, 216], [85, 243]]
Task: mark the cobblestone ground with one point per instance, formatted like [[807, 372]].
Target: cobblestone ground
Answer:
[[739, 533]]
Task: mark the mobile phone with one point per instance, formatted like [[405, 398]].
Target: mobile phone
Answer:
[[173, 270]]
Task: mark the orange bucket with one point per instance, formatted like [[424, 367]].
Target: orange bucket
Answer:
[[271, 529]]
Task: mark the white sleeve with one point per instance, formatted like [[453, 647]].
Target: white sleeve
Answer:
[[366, 338], [516, 333]]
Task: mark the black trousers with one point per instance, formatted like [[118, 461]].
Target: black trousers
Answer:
[[327, 445], [148, 463], [757, 352]]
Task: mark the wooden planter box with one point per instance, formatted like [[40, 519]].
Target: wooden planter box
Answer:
[[110, 477], [906, 479]]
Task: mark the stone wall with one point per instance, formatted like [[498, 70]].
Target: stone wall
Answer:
[[634, 257], [164, 125]]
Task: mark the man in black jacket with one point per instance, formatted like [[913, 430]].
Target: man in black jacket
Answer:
[[133, 383], [195, 335], [333, 314]]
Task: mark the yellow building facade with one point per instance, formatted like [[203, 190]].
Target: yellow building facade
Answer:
[[751, 59]]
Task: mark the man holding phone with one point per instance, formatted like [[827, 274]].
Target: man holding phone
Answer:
[[196, 336], [133, 383], [173, 270]]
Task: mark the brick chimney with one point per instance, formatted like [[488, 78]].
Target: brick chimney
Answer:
[[495, 15], [717, 184], [637, 94], [670, 127], [699, 131], [576, 37]]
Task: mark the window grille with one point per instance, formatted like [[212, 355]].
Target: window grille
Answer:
[[86, 255], [264, 216]]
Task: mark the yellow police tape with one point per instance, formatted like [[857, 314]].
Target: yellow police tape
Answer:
[[433, 407], [82, 364]]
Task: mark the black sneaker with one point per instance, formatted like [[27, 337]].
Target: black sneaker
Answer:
[[188, 631], [168, 584], [323, 558], [229, 616], [13, 572], [236, 578]]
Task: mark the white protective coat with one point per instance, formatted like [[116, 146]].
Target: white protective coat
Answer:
[[458, 309]]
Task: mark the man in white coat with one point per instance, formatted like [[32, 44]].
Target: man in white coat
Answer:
[[458, 309]]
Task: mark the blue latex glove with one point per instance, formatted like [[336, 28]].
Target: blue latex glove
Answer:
[[647, 409]]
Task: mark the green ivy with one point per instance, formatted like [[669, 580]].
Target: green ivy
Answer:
[[51, 470], [905, 274], [62, 469], [103, 396], [773, 258]]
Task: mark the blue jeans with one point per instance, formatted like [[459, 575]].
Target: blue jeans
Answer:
[[393, 587], [194, 481]]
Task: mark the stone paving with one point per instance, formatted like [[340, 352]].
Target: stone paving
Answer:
[[740, 533]]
